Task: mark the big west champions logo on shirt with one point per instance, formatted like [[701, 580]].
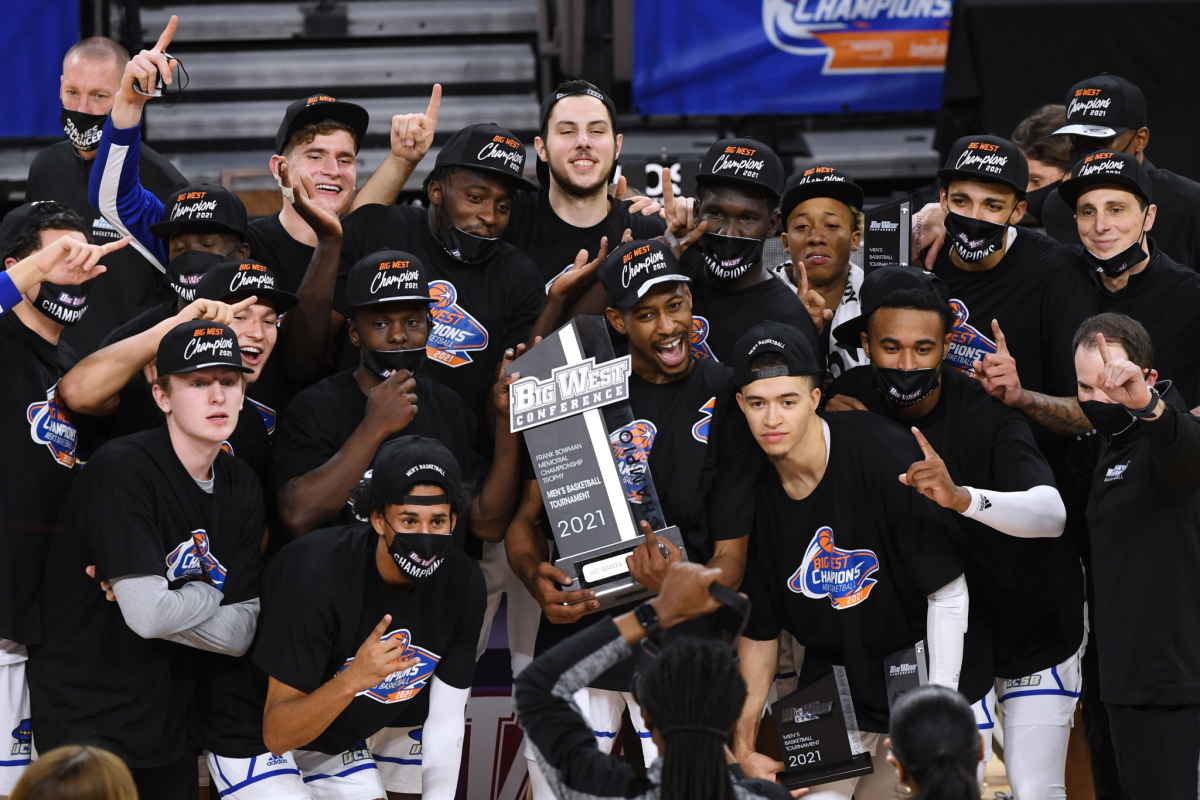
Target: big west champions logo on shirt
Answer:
[[631, 448], [266, 412], [50, 424], [856, 37], [698, 342], [829, 571], [402, 685], [967, 343], [455, 332], [700, 429], [193, 558]]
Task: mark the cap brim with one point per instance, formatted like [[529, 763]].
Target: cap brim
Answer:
[[520, 180], [729, 180], [849, 333], [284, 301], [848, 193], [632, 298], [949, 175], [1070, 190], [198, 367], [1095, 131], [166, 229], [353, 116], [386, 300]]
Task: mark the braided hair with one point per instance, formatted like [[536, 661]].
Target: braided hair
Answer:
[[935, 739], [693, 695]]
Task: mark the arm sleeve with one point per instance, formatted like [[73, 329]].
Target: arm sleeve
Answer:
[[229, 631], [1175, 441], [946, 622], [442, 740], [561, 739], [154, 611], [10, 295], [1035, 513], [116, 192]]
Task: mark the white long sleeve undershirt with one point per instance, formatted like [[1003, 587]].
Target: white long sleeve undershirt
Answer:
[[945, 623], [442, 740]]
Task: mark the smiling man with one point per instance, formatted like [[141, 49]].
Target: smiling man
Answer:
[[174, 525]]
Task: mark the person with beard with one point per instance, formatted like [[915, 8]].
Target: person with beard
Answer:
[[821, 212], [91, 77], [169, 525], [738, 188], [1108, 112], [906, 583], [980, 460], [1048, 157], [1141, 470], [44, 444]]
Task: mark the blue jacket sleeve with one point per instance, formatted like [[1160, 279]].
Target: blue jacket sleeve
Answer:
[[116, 192]]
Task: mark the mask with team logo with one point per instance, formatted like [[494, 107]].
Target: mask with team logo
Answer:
[[974, 239], [467, 247], [729, 257], [418, 555], [82, 129], [186, 269], [906, 387], [384, 362], [63, 304]]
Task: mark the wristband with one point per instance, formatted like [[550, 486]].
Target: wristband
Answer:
[[1147, 411], [10, 295]]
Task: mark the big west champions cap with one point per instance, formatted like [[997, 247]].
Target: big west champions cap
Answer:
[[876, 287], [819, 182], [634, 268], [742, 162], [24, 217], [1102, 107], [232, 280], [318, 108], [486, 148], [387, 276], [989, 159], [1107, 167], [410, 461], [197, 345], [203, 208], [798, 351]]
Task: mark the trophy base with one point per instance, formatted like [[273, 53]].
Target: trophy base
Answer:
[[857, 765], [605, 572]]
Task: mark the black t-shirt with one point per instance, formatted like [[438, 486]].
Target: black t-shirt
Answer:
[[847, 570], [322, 597], [136, 511], [1165, 298], [131, 283], [1039, 297], [720, 317], [553, 243], [42, 458], [322, 418], [273, 246], [1030, 591], [480, 310]]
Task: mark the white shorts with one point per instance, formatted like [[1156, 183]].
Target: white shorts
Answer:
[[1043, 698], [602, 709], [16, 737], [352, 775], [397, 751], [524, 614], [257, 778]]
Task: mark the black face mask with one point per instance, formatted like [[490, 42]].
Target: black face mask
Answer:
[[63, 304], [1126, 259], [82, 129], [467, 247], [418, 555], [729, 257], [906, 387], [1109, 419], [1034, 201], [974, 239], [186, 269], [384, 362]]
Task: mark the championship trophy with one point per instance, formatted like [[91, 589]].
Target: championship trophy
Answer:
[[887, 234], [818, 733]]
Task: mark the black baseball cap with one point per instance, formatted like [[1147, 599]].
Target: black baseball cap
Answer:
[[570, 89], [1107, 167], [232, 280], [24, 217], [876, 286], [819, 182], [199, 344], [1102, 107], [989, 159], [318, 108], [742, 162], [387, 276], [800, 353], [486, 148], [203, 207], [409, 461], [634, 268]]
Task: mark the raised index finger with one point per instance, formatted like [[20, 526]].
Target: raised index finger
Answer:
[[1001, 345], [167, 34], [926, 448], [801, 279], [668, 192], [435, 103], [651, 539], [1102, 347]]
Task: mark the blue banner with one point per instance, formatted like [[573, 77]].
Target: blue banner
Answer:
[[33, 40], [788, 56]]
